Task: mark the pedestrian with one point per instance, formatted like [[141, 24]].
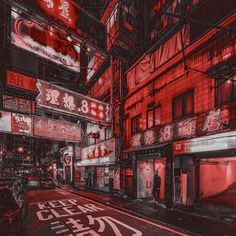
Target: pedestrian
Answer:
[[156, 186]]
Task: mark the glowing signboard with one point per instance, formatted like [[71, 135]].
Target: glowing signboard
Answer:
[[56, 129], [66, 101], [18, 104], [45, 41], [216, 142], [99, 150], [21, 124], [21, 81], [62, 10]]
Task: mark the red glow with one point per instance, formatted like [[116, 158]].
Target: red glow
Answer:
[[20, 149], [61, 10], [21, 81]]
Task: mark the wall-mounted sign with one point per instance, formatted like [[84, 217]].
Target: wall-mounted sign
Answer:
[[5, 121], [148, 153], [215, 120], [66, 101], [44, 41], [21, 81], [21, 124], [56, 129], [216, 142], [67, 13], [99, 150], [62, 10], [97, 161], [212, 121], [18, 104]]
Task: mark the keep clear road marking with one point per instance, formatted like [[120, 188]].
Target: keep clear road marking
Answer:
[[121, 212]]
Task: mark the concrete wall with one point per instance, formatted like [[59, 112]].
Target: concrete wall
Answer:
[[216, 178]]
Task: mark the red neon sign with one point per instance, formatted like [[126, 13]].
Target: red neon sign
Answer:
[[45, 41], [62, 10], [21, 81], [66, 101]]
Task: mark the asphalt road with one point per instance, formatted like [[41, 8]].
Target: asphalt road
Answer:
[[57, 212]]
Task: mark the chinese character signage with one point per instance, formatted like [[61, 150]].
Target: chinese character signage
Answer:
[[45, 41], [62, 10], [216, 120], [20, 81], [21, 124], [99, 150], [66, 101], [56, 129], [67, 13], [18, 104]]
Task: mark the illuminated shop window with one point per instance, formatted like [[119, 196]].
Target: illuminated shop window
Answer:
[[183, 105], [136, 124]]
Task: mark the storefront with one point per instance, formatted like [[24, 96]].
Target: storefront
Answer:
[[149, 160], [97, 167], [205, 169]]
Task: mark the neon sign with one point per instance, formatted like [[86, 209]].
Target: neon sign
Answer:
[[61, 10], [21, 81], [66, 101], [44, 41], [215, 119]]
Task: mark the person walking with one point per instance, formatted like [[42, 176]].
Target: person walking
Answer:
[[156, 186]]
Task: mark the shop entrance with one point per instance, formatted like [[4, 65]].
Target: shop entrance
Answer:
[[144, 178], [186, 181], [218, 181]]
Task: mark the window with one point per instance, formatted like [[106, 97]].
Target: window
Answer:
[[183, 105], [136, 124], [108, 133], [153, 117], [225, 91]]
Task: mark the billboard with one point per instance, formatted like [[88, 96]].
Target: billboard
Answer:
[[44, 40], [63, 100], [18, 104], [56, 129], [21, 124], [20, 81], [68, 14]]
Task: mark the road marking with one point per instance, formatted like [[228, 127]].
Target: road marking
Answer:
[[58, 227], [136, 217], [53, 223], [62, 231]]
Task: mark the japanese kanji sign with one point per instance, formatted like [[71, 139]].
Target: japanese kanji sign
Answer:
[[66, 101]]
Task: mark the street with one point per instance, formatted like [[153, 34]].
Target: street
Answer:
[[57, 212]]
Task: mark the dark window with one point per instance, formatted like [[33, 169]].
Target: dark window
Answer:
[[183, 105], [136, 124], [153, 117], [108, 133], [225, 91]]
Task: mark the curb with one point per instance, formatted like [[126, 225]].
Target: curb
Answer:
[[132, 213]]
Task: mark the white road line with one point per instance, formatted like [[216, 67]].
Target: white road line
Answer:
[[136, 217], [53, 223], [58, 227], [62, 231]]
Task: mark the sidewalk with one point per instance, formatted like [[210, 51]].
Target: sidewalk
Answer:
[[192, 224]]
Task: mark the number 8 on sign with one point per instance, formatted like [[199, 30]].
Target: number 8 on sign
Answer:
[[84, 107]]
